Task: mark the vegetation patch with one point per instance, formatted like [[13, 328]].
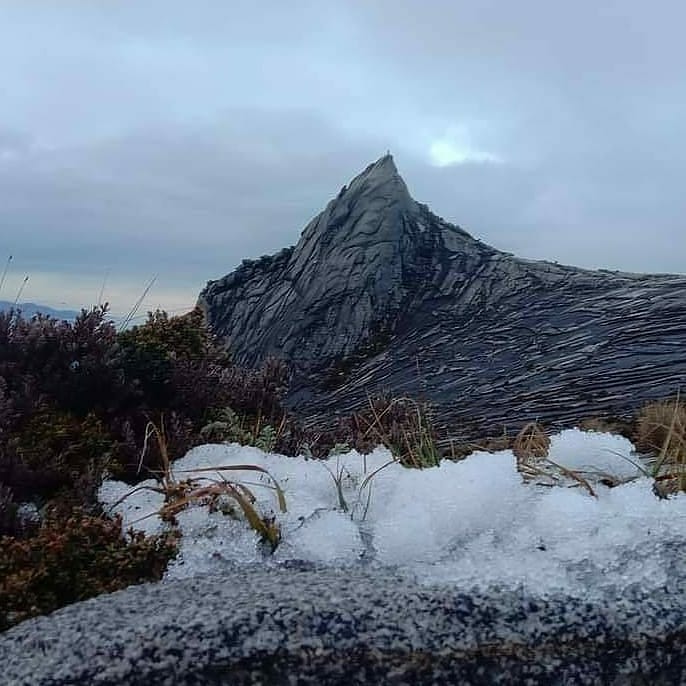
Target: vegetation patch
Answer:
[[661, 434], [73, 559], [82, 401], [210, 491], [76, 402]]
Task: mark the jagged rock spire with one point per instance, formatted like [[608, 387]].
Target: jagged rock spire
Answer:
[[343, 285], [380, 294]]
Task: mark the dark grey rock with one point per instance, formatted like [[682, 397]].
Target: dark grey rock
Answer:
[[258, 626], [380, 294]]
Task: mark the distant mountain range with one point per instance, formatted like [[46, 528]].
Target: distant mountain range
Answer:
[[380, 294], [29, 309]]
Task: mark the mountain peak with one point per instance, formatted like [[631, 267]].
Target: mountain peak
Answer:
[[384, 167], [357, 267], [372, 204], [380, 180], [381, 294]]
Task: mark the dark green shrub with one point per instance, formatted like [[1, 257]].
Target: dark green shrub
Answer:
[[75, 364], [155, 352], [182, 378], [58, 380], [55, 452]]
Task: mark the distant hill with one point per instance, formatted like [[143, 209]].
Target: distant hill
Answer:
[[29, 309], [380, 295]]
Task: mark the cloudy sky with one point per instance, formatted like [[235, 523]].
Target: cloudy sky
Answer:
[[146, 137]]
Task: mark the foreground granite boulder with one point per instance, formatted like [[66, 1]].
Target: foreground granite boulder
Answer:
[[257, 626], [379, 294]]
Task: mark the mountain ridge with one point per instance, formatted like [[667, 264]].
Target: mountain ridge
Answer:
[[379, 294], [28, 309]]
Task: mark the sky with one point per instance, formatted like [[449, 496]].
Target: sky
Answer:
[[171, 140]]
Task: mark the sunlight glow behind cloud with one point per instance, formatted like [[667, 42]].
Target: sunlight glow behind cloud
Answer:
[[445, 152]]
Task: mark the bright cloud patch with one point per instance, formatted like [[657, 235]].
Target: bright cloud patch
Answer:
[[466, 524], [446, 152]]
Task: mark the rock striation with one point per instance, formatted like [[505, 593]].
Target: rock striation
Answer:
[[381, 295]]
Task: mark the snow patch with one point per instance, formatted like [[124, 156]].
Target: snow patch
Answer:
[[473, 523]]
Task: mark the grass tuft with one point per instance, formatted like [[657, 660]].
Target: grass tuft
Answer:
[[404, 426], [661, 434], [180, 494], [530, 447]]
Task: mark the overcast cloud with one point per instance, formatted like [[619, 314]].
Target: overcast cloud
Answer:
[[175, 138]]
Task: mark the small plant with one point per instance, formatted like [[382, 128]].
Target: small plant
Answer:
[[214, 492], [404, 426], [227, 427], [342, 474], [531, 447], [211, 492], [338, 476]]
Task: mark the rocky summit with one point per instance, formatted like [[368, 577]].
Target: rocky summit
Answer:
[[381, 295]]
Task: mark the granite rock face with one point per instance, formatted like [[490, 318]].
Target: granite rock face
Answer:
[[325, 626], [379, 294]]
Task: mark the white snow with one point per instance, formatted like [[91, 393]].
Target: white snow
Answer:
[[468, 523]]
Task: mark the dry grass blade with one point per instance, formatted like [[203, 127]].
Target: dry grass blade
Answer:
[[128, 494], [531, 448], [180, 494], [4, 272], [377, 424], [268, 530], [369, 477], [531, 442], [132, 312], [246, 492], [151, 429], [179, 503], [575, 476], [245, 467]]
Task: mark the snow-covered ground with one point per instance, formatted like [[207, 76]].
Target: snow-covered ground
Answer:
[[473, 523]]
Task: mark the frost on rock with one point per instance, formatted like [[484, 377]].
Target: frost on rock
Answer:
[[473, 523]]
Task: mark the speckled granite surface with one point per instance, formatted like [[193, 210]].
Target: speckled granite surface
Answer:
[[309, 626]]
